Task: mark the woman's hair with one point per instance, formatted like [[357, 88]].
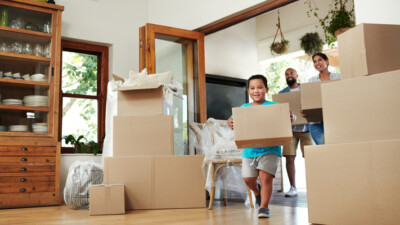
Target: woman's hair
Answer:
[[322, 55], [257, 76]]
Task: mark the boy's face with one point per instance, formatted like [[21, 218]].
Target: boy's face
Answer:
[[257, 90]]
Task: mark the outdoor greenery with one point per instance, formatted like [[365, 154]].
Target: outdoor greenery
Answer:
[[80, 77], [338, 17]]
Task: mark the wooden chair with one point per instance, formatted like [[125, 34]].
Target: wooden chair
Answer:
[[215, 165]]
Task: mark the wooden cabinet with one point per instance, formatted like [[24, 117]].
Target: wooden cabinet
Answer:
[[30, 45]]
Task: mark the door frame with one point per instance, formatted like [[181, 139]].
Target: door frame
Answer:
[[147, 59]]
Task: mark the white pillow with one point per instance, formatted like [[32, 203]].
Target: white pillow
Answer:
[[141, 79]]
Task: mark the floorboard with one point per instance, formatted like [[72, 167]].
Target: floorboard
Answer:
[[234, 213]]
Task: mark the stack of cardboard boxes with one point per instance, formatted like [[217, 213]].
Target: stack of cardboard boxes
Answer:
[[353, 178], [143, 155]]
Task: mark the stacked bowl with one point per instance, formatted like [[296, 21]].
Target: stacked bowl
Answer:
[[36, 100], [11, 101], [18, 128], [40, 128]]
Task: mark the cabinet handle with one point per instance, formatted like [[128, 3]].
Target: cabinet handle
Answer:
[[23, 169], [52, 71], [24, 159], [24, 149], [22, 190], [22, 179]]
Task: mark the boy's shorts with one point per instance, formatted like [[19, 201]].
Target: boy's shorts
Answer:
[[268, 163]]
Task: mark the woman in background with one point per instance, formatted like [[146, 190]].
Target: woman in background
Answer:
[[321, 63]]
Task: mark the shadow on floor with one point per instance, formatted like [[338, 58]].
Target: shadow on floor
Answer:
[[278, 198]]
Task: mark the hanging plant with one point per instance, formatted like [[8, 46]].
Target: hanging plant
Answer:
[[336, 21], [282, 46], [311, 43]]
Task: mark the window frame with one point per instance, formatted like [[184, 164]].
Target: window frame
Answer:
[[102, 82]]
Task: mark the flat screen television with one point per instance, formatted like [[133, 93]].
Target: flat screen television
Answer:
[[224, 93]]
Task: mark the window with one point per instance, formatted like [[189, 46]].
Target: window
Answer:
[[83, 92]]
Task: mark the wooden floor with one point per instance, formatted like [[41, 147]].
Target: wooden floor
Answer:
[[234, 213]]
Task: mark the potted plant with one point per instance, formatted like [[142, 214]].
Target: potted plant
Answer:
[[282, 46], [311, 43], [338, 19], [81, 146], [279, 47]]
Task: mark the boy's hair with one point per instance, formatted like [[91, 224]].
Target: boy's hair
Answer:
[[257, 76]]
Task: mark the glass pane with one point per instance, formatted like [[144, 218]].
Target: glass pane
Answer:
[[79, 117], [171, 56], [79, 73], [25, 19], [23, 106]]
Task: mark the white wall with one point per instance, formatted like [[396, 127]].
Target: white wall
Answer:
[[233, 51], [192, 14], [111, 22], [382, 12]]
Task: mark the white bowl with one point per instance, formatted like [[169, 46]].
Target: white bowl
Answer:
[[38, 77]]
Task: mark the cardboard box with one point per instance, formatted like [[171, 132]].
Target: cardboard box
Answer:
[[354, 183], [106, 199], [369, 49], [143, 135], [158, 182], [262, 126], [143, 100], [362, 109], [294, 100], [311, 101]]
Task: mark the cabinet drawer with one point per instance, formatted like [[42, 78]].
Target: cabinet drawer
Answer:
[[28, 150], [26, 169], [27, 184], [27, 160]]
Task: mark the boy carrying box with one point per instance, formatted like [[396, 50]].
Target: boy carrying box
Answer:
[[259, 162]]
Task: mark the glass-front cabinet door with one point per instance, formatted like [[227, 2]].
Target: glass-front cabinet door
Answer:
[[27, 63]]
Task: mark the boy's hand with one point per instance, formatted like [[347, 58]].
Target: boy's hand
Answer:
[[292, 117], [230, 122]]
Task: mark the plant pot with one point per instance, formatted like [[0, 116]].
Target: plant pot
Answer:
[[341, 30], [280, 48]]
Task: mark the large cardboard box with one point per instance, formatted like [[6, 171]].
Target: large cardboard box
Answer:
[[294, 100], [362, 109], [262, 126], [311, 102], [354, 183], [158, 182], [143, 135], [142, 100], [369, 49], [106, 199]]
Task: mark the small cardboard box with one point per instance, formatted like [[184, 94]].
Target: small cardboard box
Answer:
[[311, 102], [369, 49], [262, 126], [141, 100], [294, 100], [353, 183], [362, 109], [143, 135], [158, 182], [106, 199]]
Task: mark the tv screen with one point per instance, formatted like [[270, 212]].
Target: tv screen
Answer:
[[222, 94]]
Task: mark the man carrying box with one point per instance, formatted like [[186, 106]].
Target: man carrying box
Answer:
[[300, 134]]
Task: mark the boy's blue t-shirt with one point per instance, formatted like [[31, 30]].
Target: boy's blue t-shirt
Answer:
[[255, 152]]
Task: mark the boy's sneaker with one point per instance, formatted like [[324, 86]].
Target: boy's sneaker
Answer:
[[263, 213], [292, 192]]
